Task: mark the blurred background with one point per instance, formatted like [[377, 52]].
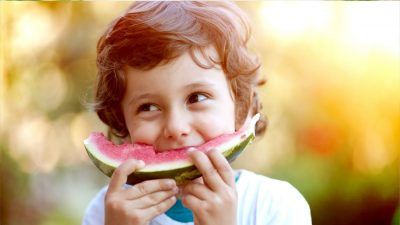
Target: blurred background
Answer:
[[332, 98]]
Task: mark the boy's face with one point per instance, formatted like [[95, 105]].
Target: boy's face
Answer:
[[177, 105]]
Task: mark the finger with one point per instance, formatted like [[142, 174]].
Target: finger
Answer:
[[120, 175], [192, 202], [196, 220], [149, 186], [210, 175], [153, 199], [198, 190], [153, 211], [222, 165]]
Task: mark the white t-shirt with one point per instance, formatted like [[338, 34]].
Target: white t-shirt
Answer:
[[261, 201]]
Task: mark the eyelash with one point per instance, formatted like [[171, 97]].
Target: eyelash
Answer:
[[144, 106], [197, 93]]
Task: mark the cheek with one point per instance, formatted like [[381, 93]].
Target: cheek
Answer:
[[145, 133], [214, 125]]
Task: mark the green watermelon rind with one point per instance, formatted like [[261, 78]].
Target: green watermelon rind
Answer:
[[182, 174], [96, 154], [181, 170]]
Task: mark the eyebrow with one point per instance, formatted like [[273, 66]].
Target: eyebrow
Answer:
[[145, 95], [199, 85], [194, 85]]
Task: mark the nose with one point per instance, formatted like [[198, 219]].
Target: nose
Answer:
[[177, 127]]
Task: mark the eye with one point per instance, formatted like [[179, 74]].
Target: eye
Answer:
[[147, 108], [197, 97]]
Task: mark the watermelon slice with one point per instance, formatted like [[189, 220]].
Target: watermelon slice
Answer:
[[173, 164]]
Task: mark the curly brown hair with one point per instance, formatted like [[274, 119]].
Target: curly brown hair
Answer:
[[149, 34]]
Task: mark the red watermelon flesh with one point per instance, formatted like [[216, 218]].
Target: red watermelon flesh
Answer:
[[147, 153], [171, 163]]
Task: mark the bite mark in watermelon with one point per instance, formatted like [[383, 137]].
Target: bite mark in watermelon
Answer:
[[173, 164]]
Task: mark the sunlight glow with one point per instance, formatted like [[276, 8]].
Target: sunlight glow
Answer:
[[34, 28], [290, 19], [30, 145], [373, 24]]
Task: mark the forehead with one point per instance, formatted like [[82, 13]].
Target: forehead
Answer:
[[181, 71]]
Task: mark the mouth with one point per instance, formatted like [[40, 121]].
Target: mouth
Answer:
[[182, 148], [179, 149], [163, 148]]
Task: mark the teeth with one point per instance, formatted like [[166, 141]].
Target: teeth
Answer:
[[191, 149]]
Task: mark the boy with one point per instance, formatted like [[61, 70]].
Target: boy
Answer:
[[177, 74]]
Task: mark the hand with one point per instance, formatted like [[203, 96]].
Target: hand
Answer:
[[139, 204], [215, 201]]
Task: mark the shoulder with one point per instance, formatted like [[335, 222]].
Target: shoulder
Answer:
[[94, 214], [278, 200]]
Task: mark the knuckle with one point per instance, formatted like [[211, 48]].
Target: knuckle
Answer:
[[110, 197], [225, 168], [113, 205], [159, 208], [118, 172], [161, 184], [210, 172], [142, 188], [154, 197], [164, 184], [145, 183]]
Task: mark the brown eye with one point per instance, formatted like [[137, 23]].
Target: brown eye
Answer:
[[147, 108], [197, 97]]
